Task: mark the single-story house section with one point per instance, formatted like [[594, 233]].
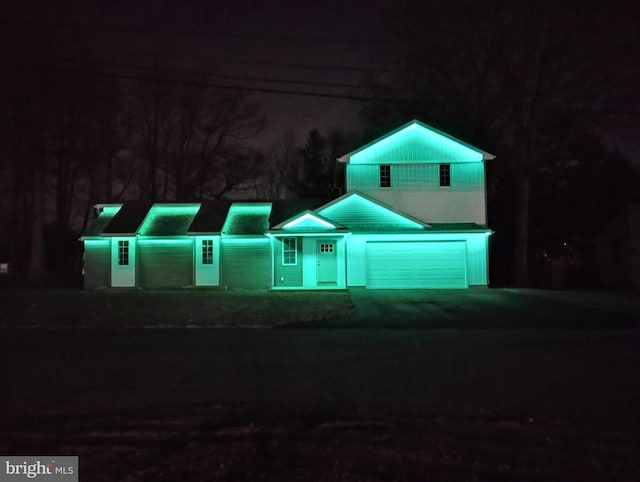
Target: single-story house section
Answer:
[[363, 238]]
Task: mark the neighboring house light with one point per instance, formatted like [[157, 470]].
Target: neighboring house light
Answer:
[[445, 175], [123, 253], [385, 175], [289, 251], [207, 251]]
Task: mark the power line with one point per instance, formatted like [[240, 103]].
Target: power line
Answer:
[[234, 77], [211, 85], [286, 65], [194, 33]]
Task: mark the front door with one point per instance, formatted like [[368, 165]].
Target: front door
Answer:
[[327, 263]]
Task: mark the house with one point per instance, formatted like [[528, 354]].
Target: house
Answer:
[[413, 216]]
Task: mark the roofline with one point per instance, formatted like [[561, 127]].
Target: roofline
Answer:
[[374, 201], [107, 205], [485, 155], [313, 213]]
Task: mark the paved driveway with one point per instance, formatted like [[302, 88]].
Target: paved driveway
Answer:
[[488, 309]]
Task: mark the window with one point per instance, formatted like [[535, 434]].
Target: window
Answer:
[[385, 175], [207, 251], [326, 247], [289, 251], [445, 175], [123, 253]]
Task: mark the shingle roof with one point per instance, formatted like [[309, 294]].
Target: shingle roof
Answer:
[[128, 219], [169, 220], [210, 218], [248, 224]]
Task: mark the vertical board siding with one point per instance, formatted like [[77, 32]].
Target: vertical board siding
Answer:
[[292, 274], [415, 190], [165, 265], [414, 147], [97, 265], [246, 262]]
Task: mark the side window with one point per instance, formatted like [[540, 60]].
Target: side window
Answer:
[[123, 253], [445, 175], [385, 175], [289, 251], [207, 251]]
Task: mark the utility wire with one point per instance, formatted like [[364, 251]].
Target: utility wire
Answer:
[[194, 33], [211, 85], [234, 77], [285, 65]]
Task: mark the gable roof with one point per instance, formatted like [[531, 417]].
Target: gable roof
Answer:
[[309, 221], [284, 210], [362, 213], [445, 141]]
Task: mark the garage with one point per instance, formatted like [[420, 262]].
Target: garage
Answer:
[[416, 264]]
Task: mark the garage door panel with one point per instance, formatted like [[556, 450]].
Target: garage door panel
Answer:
[[421, 264]]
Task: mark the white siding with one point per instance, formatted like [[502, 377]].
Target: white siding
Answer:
[[415, 190]]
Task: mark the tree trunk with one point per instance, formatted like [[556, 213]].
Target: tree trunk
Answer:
[[521, 248], [36, 253]]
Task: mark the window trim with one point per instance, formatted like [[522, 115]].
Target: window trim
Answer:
[[286, 248], [123, 252], [384, 179], [442, 175], [206, 252]]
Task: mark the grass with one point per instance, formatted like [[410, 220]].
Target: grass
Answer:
[[186, 308]]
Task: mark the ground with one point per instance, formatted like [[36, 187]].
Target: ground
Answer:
[[387, 393]]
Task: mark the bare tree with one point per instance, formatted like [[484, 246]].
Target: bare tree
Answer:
[[519, 79]]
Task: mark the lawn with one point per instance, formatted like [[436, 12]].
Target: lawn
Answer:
[[155, 309]]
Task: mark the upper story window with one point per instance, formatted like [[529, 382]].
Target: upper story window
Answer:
[[123, 253], [445, 175], [289, 251], [207, 251], [385, 175]]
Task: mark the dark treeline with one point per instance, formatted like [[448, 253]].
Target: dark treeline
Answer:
[[545, 87], [548, 87]]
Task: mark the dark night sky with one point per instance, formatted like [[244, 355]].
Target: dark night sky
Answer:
[[239, 39], [244, 38]]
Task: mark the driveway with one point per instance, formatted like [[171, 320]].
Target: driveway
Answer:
[[487, 309]]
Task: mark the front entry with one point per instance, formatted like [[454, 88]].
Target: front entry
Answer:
[[327, 263]]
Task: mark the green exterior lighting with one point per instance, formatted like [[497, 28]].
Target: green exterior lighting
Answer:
[[168, 219], [97, 242], [165, 241], [308, 221], [109, 209], [416, 143]]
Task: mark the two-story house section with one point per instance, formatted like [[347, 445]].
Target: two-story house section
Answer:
[[422, 172]]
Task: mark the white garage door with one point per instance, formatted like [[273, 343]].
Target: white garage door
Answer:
[[416, 264]]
